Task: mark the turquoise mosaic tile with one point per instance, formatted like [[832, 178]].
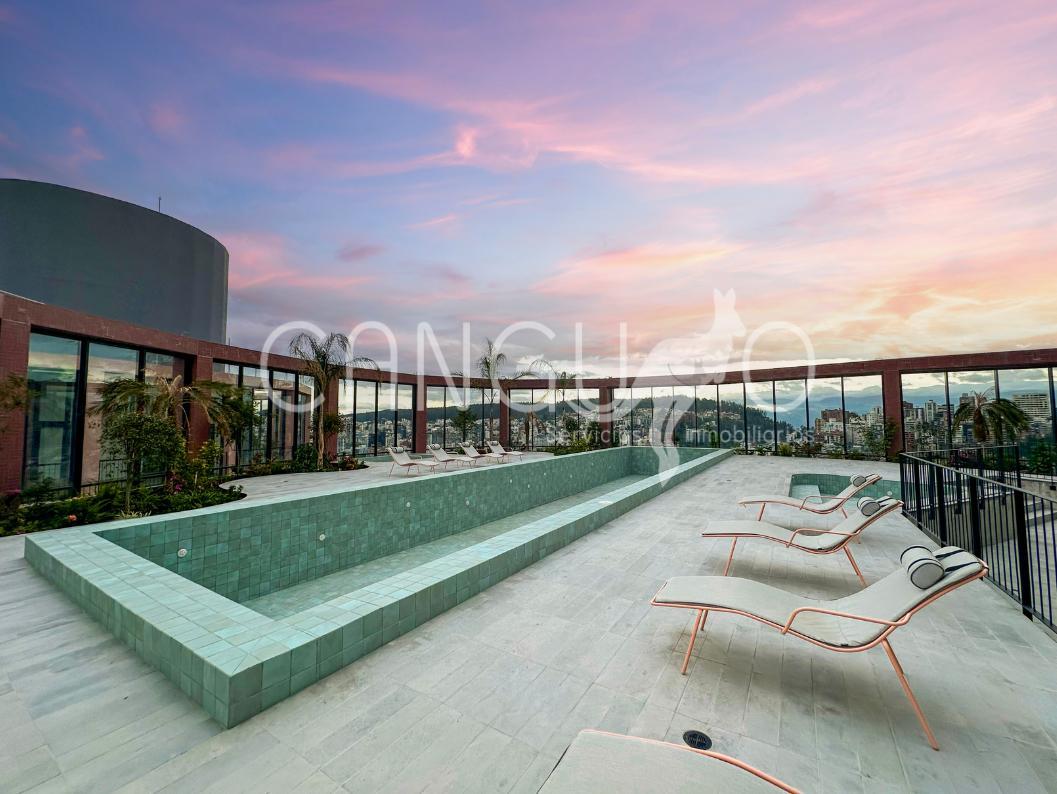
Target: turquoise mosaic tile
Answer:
[[803, 484], [182, 612]]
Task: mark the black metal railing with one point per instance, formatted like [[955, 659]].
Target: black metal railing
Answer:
[[1012, 528], [1007, 463]]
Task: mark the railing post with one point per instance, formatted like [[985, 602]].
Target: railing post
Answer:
[[1020, 519], [917, 490], [1016, 465], [941, 500], [974, 518]]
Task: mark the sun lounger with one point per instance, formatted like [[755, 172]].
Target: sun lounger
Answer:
[[475, 456], [809, 539], [497, 448], [401, 459], [850, 624], [598, 762], [822, 504], [443, 458]]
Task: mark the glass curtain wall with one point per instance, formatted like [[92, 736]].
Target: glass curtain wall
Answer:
[[106, 363], [641, 416], [347, 412], [567, 421], [759, 415], [283, 418], [864, 418], [255, 439], [826, 416], [926, 411], [622, 417], [162, 365], [306, 395], [662, 427], [961, 386], [229, 456], [706, 407], [365, 418], [791, 423], [520, 423], [386, 432], [1029, 390], [684, 416], [732, 415], [544, 432], [53, 412], [435, 415]]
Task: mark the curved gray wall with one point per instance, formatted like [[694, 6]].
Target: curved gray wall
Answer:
[[107, 257]]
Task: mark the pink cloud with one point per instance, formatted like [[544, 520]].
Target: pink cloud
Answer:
[[358, 252], [263, 259], [167, 120], [440, 222]]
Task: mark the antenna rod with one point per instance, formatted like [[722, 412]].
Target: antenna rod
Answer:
[[159, 203]]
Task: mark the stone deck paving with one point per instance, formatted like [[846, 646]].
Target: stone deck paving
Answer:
[[488, 695]]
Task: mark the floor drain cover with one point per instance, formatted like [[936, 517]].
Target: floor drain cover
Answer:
[[697, 740]]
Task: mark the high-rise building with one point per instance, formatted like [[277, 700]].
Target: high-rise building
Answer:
[[1034, 404]]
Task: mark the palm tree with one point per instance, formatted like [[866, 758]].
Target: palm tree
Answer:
[[990, 417], [563, 381], [325, 361], [490, 366], [171, 398]]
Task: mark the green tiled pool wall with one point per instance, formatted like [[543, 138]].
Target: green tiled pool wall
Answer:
[[244, 553], [236, 662], [835, 483]]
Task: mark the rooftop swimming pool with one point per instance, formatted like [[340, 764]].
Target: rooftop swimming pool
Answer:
[[242, 606]]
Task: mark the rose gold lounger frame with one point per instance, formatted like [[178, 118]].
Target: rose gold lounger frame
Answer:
[[805, 502], [791, 544], [881, 639]]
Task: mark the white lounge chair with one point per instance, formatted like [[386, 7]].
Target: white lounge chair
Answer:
[[475, 456], [822, 504], [809, 539], [443, 458], [401, 459], [853, 623], [598, 762], [497, 448]]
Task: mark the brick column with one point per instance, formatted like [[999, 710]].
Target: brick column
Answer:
[[605, 415], [198, 432], [14, 360], [892, 391], [330, 406]]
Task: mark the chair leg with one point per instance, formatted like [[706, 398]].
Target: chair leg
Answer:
[[730, 558], [910, 695], [853, 565], [693, 637]]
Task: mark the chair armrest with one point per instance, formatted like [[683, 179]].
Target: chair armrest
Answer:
[[822, 611], [821, 496], [818, 532]]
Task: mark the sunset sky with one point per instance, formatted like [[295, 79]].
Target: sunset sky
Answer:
[[882, 175]]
